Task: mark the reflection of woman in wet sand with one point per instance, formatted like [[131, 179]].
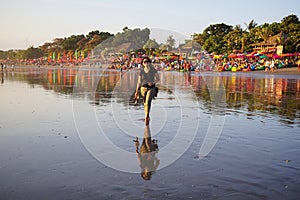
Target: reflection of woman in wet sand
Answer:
[[147, 154], [147, 79]]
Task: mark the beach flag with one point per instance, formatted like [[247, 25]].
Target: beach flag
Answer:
[[49, 57], [58, 56], [65, 56], [76, 54], [82, 54], [88, 56], [53, 56], [70, 56]]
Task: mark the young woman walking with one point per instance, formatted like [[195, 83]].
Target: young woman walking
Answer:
[[147, 79]]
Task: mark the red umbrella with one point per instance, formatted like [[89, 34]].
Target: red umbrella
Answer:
[[232, 55], [287, 55], [250, 56], [239, 55], [276, 56]]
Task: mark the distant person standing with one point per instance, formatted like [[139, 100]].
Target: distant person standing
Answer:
[[267, 65], [147, 79], [272, 65]]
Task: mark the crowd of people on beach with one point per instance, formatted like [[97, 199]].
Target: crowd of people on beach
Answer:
[[204, 62], [255, 64]]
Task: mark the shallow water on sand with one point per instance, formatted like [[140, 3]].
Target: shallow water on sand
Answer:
[[68, 134]]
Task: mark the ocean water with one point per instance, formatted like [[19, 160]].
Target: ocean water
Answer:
[[67, 133]]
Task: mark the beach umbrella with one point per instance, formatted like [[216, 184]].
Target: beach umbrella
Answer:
[[263, 56], [250, 56], [217, 57], [276, 56], [232, 55], [239, 55], [225, 56]]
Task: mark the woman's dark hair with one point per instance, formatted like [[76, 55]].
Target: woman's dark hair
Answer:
[[146, 175], [145, 58]]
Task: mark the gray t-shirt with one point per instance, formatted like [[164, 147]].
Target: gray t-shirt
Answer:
[[148, 77]]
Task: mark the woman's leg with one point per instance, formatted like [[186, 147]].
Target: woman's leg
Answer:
[[148, 95]]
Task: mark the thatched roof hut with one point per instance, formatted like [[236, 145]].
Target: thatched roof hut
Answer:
[[272, 44]]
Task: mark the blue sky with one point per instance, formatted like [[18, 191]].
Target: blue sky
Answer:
[[34, 22]]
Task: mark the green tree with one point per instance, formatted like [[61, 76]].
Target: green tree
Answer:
[[164, 48], [3, 54], [93, 40], [198, 37], [275, 28], [290, 25], [251, 25], [282, 40], [32, 53], [150, 46], [263, 32], [46, 47], [249, 36], [171, 42], [213, 37], [234, 39], [82, 44], [91, 34], [212, 45], [70, 43], [137, 37]]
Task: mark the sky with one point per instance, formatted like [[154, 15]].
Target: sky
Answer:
[[26, 23]]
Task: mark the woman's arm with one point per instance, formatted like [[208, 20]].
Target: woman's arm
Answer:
[[138, 86], [156, 78]]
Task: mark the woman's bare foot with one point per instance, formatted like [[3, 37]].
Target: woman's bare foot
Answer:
[[147, 120]]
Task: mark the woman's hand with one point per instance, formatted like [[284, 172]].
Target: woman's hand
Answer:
[[150, 84], [136, 95]]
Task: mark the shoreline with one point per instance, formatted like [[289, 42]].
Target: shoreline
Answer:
[[285, 71]]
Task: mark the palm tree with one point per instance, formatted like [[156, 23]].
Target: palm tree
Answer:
[[282, 39], [252, 24], [238, 28], [264, 33]]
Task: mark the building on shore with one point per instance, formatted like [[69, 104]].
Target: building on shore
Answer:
[[273, 44]]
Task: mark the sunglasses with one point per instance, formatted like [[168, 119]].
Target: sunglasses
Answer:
[[146, 61]]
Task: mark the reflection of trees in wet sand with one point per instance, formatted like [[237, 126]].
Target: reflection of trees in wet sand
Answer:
[[274, 95]]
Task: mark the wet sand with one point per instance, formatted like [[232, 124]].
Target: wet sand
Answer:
[[43, 121]]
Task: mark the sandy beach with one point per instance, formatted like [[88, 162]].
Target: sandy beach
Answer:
[[290, 70]]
